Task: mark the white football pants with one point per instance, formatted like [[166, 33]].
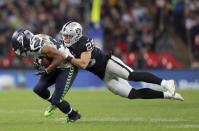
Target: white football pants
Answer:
[[116, 76]]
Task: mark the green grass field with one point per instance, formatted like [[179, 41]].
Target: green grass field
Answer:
[[22, 110]]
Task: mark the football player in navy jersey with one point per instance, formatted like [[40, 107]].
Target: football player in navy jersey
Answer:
[[41, 45], [114, 73]]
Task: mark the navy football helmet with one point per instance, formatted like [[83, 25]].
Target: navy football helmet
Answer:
[[21, 41]]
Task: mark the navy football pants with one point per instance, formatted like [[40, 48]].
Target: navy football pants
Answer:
[[63, 80]]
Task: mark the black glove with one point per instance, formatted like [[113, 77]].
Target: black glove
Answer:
[[37, 65], [41, 72], [69, 58]]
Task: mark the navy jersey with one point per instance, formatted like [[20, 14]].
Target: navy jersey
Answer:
[[98, 62]]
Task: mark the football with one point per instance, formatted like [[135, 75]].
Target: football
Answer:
[[46, 61]]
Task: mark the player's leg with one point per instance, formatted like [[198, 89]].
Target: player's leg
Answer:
[[147, 93], [121, 87], [41, 88], [63, 83], [117, 67]]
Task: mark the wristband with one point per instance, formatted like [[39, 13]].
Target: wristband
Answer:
[[69, 59]]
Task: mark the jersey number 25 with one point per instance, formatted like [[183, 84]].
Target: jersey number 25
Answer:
[[90, 45]]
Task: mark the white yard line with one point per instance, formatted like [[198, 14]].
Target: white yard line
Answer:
[[157, 120], [183, 126], [20, 111], [108, 119], [138, 119]]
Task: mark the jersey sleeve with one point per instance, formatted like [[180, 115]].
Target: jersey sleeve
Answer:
[[86, 44]]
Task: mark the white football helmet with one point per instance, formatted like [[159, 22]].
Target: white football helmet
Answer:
[[72, 29]]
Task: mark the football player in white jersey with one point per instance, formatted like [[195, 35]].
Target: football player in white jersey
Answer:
[[110, 69], [59, 72]]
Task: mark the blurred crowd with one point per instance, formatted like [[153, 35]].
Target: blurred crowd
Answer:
[[138, 28], [186, 24], [38, 16], [145, 26]]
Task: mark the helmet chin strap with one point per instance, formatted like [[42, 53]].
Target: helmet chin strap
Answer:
[[67, 45]]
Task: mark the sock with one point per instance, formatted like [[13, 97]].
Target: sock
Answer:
[[72, 113], [144, 76], [167, 95], [145, 93], [64, 106], [71, 110], [48, 99]]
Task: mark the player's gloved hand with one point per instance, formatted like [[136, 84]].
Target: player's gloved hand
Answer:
[[37, 64], [41, 72], [66, 53], [69, 58]]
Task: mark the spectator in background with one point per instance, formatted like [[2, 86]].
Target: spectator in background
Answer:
[[3, 47], [138, 12], [165, 44], [127, 24], [194, 31], [133, 40], [192, 24], [140, 61], [179, 18], [148, 42], [46, 16], [118, 52]]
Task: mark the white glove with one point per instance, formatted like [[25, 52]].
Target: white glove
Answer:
[[65, 51]]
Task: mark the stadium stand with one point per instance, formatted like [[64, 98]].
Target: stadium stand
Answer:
[[135, 28]]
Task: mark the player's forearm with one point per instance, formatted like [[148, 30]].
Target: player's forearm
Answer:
[[81, 62], [57, 57], [77, 62], [55, 62]]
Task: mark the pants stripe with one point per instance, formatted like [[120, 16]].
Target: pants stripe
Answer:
[[68, 83], [121, 65]]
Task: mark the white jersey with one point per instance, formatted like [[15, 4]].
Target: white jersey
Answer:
[[41, 40]]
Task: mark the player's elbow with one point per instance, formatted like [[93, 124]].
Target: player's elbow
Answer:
[[83, 65]]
